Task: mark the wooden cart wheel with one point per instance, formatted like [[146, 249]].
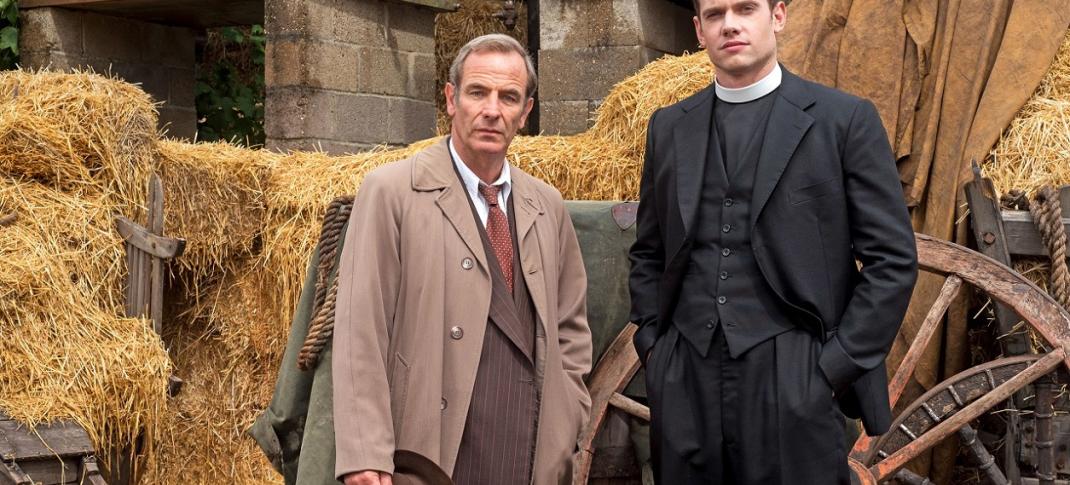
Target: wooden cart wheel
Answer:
[[946, 409]]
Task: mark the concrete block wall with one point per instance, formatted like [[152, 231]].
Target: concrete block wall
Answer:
[[346, 75], [159, 57], [587, 46]]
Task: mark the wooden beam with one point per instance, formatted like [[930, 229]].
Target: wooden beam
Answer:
[[161, 247], [186, 13], [1023, 238]]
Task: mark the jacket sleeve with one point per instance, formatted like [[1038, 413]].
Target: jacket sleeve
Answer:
[[647, 256], [368, 279], [883, 242], [573, 331]]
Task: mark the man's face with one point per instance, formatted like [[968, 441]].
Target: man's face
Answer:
[[490, 105], [740, 35]]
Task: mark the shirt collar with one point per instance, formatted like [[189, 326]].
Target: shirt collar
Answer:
[[745, 94], [471, 180]]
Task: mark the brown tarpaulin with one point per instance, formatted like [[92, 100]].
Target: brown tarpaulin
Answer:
[[947, 76]]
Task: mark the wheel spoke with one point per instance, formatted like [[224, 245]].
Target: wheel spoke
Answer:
[[950, 290], [629, 406]]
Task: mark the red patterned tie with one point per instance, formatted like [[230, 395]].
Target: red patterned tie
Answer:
[[498, 232]]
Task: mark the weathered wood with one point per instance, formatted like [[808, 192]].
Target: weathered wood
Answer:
[[159, 246], [951, 289], [186, 13], [990, 234], [437, 5], [613, 372], [156, 283], [888, 466], [630, 406], [1023, 238], [1003, 284], [63, 439]]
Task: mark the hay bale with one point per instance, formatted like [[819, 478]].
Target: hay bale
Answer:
[[65, 352], [1035, 149], [77, 131], [202, 436], [213, 198]]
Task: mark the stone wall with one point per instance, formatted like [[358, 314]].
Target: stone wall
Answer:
[[159, 57], [345, 75], [587, 46]]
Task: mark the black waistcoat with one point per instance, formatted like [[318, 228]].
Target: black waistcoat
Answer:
[[723, 285]]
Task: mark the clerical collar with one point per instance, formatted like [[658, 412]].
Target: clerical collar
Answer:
[[750, 93]]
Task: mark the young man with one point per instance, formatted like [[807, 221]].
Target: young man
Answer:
[[758, 195], [461, 330]]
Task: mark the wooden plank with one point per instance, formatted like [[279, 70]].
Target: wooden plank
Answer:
[[990, 233], [156, 215], [1023, 238], [62, 438], [159, 246], [437, 5], [53, 471], [129, 302], [187, 13]]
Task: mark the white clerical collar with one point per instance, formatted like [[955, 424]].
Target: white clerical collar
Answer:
[[471, 180], [746, 94]]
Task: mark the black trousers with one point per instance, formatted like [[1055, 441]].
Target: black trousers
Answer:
[[766, 418]]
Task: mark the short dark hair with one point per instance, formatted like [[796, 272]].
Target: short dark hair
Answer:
[[772, 3]]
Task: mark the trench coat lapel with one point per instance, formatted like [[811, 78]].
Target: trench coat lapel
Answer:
[[528, 209], [433, 170]]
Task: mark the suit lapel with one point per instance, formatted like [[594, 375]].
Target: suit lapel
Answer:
[[691, 136], [788, 123], [433, 170]]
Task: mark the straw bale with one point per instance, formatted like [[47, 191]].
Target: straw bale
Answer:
[[214, 200], [77, 131], [202, 438], [65, 353], [622, 118], [453, 30], [1035, 149]]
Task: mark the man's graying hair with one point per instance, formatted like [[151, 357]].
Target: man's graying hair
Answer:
[[493, 43]]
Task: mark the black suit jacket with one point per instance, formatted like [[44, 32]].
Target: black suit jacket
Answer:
[[826, 194]]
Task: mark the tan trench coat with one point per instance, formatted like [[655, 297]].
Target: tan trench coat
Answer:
[[412, 269]]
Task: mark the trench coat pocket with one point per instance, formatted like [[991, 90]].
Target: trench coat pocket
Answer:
[[814, 191], [399, 387]]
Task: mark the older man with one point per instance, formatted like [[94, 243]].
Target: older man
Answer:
[[461, 329]]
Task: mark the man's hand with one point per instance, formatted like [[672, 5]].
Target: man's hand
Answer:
[[368, 477]]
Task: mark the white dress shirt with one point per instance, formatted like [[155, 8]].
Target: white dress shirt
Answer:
[[471, 184]]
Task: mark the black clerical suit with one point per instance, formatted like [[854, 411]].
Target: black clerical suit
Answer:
[[745, 286]]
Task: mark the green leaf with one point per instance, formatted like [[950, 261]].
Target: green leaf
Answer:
[[9, 39]]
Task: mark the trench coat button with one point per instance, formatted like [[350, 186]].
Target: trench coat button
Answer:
[[456, 333], [443, 404], [725, 252], [466, 263], [722, 300]]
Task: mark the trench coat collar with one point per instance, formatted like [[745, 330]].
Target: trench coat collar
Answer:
[[433, 171]]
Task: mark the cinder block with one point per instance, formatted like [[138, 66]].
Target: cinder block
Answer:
[[178, 122], [112, 38], [383, 71], [410, 29], [314, 63], [286, 111], [352, 21], [153, 80], [563, 117], [182, 90], [50, 60], [585, 74], [50, 29], [285, 17], [423, 77], [354, 118], [317, 145], [169, 46], [410, 120], [569, 24], [666, 27]]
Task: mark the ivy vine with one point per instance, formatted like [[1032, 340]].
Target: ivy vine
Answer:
[[230, 86], [9, 34]]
